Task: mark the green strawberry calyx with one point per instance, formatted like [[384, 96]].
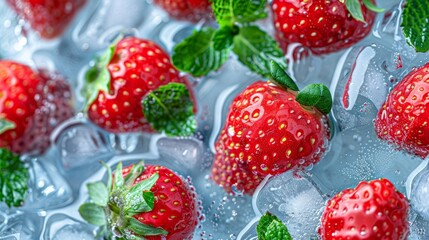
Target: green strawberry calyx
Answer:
[[13, 179], [271, 228], [355, 8], [113, 208], [6, 125], [313, 95]]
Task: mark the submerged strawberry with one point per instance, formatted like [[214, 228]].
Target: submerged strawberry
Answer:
[[323, 26], [32, 104], [134, 88], [373, 210], [403, 120], [47, 17], [271, 129], [144, 201], [191, 10]]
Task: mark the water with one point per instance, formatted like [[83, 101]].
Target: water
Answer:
[[359, 78]]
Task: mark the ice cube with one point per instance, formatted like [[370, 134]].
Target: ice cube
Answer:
[[185, 152], [63, 227], [18, 224], [419, 193], [419, 227], [12, 38]]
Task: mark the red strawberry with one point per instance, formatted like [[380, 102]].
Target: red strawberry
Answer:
[[267, 131], [322, 26], [403, 119], [47, 17], [31, 105], [154, 197], [120, 81], [373, 210], [191, 10]]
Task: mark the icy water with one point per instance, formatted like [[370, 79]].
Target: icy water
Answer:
[[359, 78]]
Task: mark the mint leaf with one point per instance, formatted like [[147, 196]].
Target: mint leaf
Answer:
[[371, 6], [228, 12], [119, 178], [224, 37], [316, 95], [196, 54], [6, 125], [355, 9], [144, 230], [256, 49], [170, 109], [93, 214], [280, 76], [271, 228], [415, 24], [13, 179], [98, 193]]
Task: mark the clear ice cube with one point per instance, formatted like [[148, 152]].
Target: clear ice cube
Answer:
[[18, 224], [63, 227]]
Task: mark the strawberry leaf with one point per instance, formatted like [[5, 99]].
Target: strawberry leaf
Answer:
[[13, 179], [144, 185], [145, 203], [256, 49], [224, 37], [109, 176], [228, 12], [355, 9], [170, 109], [196, 54], [119, 179], [136, 170], [271, 228], [414, 24], [371, 6], [6, 125], [98, 193], [143, 229], [93, 214], [280, 76], [316, 95]]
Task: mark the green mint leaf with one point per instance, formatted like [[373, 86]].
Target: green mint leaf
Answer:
[[119, 178], [13, 179], [97, 78], [316, 95], [224, 37], [196, 54], [256, 49], [98, 193], [136, 171], [271, 228], [280, 76], [109, 176], [144, 203], [355, 9], [93, 214], [415, 24], [6, 125], [228, 12], [371, 6], [143, 229], [170, 109]]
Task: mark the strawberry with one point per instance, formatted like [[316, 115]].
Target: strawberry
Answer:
[[373, 210], [270, 130], [322, 26], [31, 105], [129, 72], [47, 17], [191, 10], [403, 118], [145, 201]]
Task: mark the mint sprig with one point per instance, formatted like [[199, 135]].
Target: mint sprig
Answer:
[[271, 228], [207, 50], [114, 206], [170, 109], [415, 24], [13, 179], [355, 8]]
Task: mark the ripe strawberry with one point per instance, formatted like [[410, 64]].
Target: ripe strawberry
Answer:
[[125, 76], [373, 210], [146, 201], [191, 10], [47, 17], [403, 118], [268, 131], [32, 104], [322, 26]]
